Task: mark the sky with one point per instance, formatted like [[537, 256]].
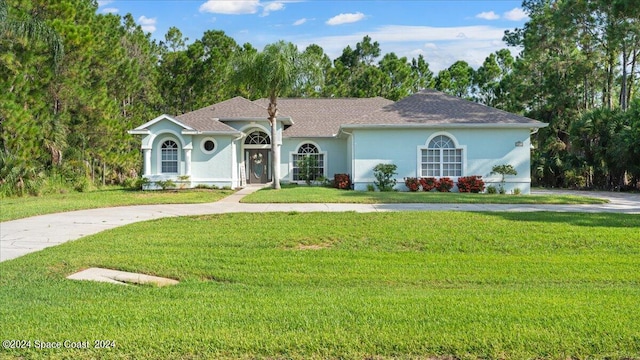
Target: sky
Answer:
[[443, 31]]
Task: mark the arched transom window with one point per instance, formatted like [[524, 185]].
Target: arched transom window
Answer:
[[169, 157], [257, 138], [315, 164], [441, 158]]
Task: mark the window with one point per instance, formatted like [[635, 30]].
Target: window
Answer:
[[257, 138], [441, 158], [312, 151], [208, 145], [169, 157]]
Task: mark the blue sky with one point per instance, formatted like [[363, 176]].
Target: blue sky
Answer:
[[442, 31]]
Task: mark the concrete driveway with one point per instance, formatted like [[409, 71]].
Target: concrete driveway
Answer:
[[23, 236]]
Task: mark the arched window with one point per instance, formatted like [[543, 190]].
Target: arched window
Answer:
[[169, 157], [257, 138], [312, 152], [441, 158]]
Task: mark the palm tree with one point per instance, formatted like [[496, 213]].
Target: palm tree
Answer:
[[275, 72], [31, 29]]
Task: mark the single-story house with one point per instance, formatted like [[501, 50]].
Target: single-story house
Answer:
[[428, 134]]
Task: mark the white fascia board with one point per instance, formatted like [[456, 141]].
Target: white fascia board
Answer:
[[196, 132], [285, 119], [160, 118], [139, 132], [444, 126], [311, 137]]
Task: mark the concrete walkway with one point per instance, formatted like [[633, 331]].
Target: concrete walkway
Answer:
[[23, 236]]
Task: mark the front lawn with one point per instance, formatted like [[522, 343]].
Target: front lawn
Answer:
[[318, 194], [339, 285], [20, 207]]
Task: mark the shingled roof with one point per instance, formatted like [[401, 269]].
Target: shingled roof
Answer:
[[207, 118], [434, 108], [322, 117]]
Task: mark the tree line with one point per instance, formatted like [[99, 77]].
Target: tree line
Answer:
[[73, 81]]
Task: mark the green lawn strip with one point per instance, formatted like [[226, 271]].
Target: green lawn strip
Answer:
[[317, 194], [21, 207], [336, 285]]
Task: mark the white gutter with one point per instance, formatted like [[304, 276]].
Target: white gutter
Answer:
[[441, 126]]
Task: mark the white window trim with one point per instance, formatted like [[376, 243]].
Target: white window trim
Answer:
[[215, 145], [320, 152], [159, 154], [426, 147], [257, 146]]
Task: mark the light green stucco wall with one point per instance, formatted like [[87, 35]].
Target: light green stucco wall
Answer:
[[335, 149], [482, 149]]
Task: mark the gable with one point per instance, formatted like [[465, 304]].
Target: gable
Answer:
[[146, 127]]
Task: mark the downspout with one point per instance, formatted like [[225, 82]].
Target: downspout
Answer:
[[353, 162], [531, 133]]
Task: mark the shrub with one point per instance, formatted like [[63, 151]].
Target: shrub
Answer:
[[503, 170], [166, 184], [342, 181], [130, 183], [205, 186], [81, 184], [384, 175], [492, 189], [445, 184], [517, 191], [428, 183], [307, 167], [371, 187], [473, 184], [574, 181], [412, 183]]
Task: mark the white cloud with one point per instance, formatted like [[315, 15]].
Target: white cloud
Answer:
[[109, 10], [104, 2], [272, 6], [300, 22], [488, 15], [516, 14], [440, 46], [235, 7], [147, 24], [345, 18]]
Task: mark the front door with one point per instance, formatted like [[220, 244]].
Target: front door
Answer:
[[257, 161]]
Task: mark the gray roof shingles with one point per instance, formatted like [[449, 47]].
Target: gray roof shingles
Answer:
[[323, 117], [206, 119], [431, 107]]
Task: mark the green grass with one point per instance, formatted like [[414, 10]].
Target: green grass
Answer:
[[340, 285], [317, 194], [20, 207]]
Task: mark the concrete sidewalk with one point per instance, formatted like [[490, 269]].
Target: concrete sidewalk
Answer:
[[23, 236]]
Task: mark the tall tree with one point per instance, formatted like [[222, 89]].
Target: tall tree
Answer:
[[30, 28], [491, 79], [275, 71], [456, 80]]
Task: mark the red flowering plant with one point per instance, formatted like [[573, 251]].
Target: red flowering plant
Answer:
[[445, 184], [428, 183], [342, 181], [413, 184], [472, 184]]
